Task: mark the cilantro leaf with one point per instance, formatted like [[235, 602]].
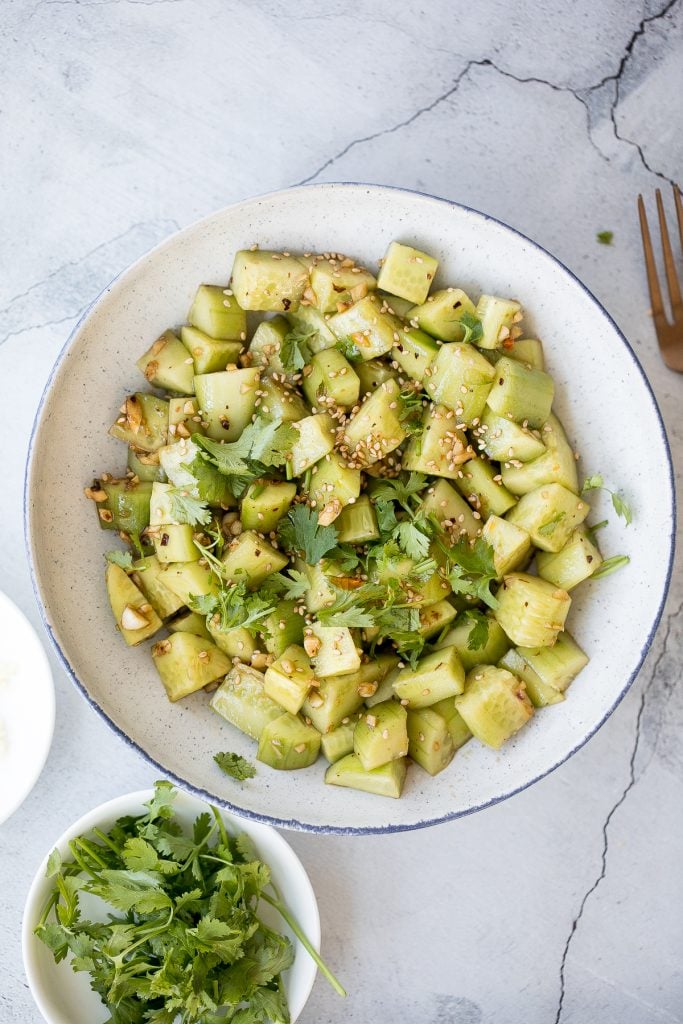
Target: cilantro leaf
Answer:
[[235, 766], [551, 525], [471, 569], [404, 489], [185, 507], [386, 516], [609, 566], [301, 532], [295, 349], [123, 559], [272, 441], [297, 586], [472, 328], [412, 539], [622, 508], [479, 631], [410, 401], [593, 483], [605, 237]]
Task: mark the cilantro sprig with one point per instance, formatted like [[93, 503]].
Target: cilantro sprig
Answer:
[[300, 532], [234, 765], [619, 503], [183, 938], [473, 330]]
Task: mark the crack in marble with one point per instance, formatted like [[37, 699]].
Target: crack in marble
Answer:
[[22, 328], [632, 780], [579, 94]]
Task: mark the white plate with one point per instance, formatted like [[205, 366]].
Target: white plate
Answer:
[[27, 707], [603, 398], [65, 997]]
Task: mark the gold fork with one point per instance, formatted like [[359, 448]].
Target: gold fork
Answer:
[[669, 335]]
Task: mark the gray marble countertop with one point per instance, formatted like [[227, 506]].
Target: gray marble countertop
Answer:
[[126, 119]]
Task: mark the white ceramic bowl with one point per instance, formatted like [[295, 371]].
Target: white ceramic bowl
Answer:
[[65, 997], [602, 397], [27, 707]]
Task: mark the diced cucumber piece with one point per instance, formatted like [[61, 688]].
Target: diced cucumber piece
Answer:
[[289, 678], [250, 558], [268, 280], [388, 780], [527, 350], [521, 394], [441, 314], [558, 665], [148, 576], [399, 567], [573, 563], [531, 611], [387, 665], [188, 579], [142, 422], [264, 504], [174, 459], [227, 400], [337, 652], [243, 702], [281, 628], [319, 593], [217, 313], [335, 285], [265, 345], [407, 272], [550, 514], [145, 466], [436, 677], [539, 693], [458, 729], [236, 643], [331, 380], [160, 504], [310, 322], [190, 622], [479, 485], [414, 352], [461, 378], [174, 543], [381, 735], [441, 448], [335, 699], [127, 506], [280, 401], [287, 743], [339, 742], [376, 429], [444, 504], [557, 465], [183, 418], [209, 354], [357, 523], [394, 304], [435, 617], [333, 484], [316, 439], [511, 544], [429, 740], [494, 704], [166, 365], [187, 663], [504, 440], [135, 617], [460, 637], [371, 374], [497, 317], [367, 327]]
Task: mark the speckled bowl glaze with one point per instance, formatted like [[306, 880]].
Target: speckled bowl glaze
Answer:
[[603, 399], [65, 997]]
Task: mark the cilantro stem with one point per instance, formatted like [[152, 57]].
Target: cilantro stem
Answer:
[[51, 902], [303, 939], [104, 838], [221, 825], [79, 860], [87, 848]]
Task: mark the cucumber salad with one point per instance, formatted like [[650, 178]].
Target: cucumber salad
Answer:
[[351, 516]]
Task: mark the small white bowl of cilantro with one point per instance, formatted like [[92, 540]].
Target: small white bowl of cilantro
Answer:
[[156, 906]]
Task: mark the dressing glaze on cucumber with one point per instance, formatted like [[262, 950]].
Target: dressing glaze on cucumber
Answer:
[[357, 523]]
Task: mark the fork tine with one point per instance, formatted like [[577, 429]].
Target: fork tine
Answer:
[[669, 265], [650, 266], [679, 211]]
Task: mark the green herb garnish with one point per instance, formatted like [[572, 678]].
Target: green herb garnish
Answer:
[[301, 532], [123, 559], [183, 939], [610, 565], [472, 325], [620, 505], [605, 237], [235, 766]]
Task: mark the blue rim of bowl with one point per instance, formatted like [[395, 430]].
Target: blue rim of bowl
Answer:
[[292, 823]]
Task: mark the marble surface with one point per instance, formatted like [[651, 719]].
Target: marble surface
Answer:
[[126, 119]]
